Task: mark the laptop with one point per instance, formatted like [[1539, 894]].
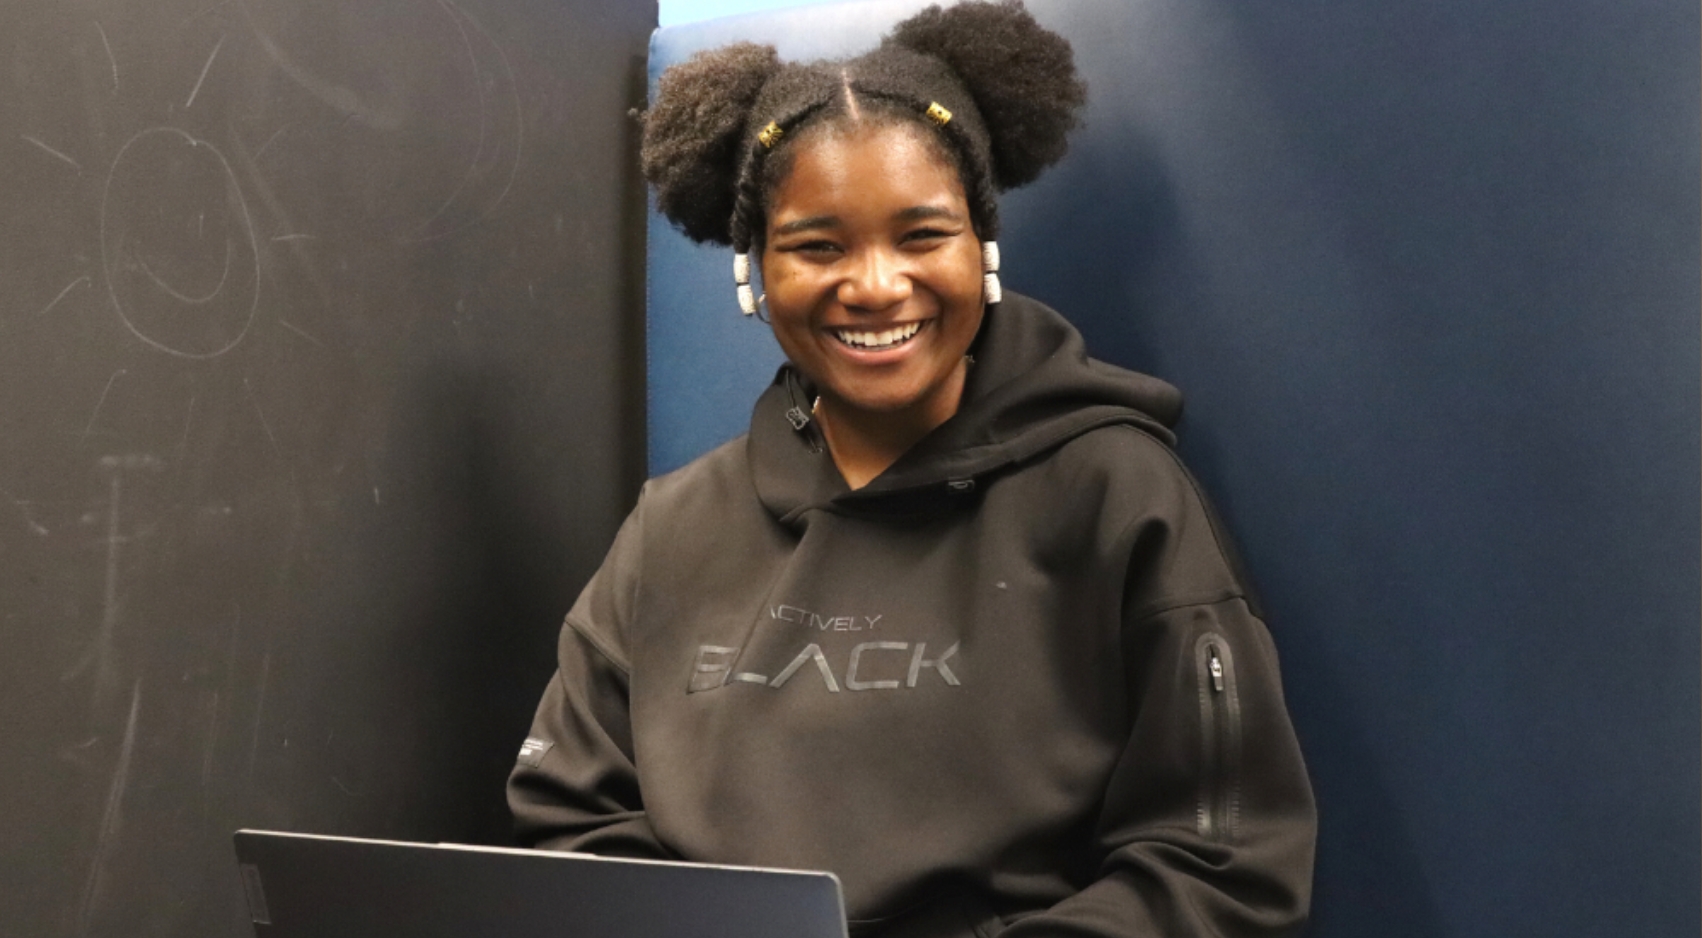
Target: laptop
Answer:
[[312, 886]]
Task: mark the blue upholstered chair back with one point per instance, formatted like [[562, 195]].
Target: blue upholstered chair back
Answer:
[[1428, 274]]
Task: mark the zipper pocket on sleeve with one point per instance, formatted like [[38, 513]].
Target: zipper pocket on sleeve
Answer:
[[1220, 739]]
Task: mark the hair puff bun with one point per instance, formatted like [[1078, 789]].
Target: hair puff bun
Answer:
[[692, 134], [1022, 76]]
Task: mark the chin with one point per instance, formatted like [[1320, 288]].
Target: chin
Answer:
[[878, 402]]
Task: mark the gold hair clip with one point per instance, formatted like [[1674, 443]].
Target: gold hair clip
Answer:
[[938, 114], [770, 135]]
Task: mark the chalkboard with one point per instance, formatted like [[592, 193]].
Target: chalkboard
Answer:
[[320, 397]]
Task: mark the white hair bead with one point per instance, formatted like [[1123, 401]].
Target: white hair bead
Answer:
[[747, 299], [741, 268], [990, 288], [990, 256]]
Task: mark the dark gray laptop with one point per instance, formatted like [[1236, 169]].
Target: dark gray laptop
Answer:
[[309, 886]]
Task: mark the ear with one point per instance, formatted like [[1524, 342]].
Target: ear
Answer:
[[1021, 74], [692, 132]]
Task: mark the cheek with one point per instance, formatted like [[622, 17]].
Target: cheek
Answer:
[[778, 277], [965, 274]]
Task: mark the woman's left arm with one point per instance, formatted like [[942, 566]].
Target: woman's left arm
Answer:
[[1208, 824]]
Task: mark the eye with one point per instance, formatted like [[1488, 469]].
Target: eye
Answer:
[[818, 249], [926, 236]]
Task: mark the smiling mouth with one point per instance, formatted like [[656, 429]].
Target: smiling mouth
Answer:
[[878, 341]]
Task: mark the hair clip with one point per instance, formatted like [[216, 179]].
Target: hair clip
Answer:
[[938, 114], [770, 135]]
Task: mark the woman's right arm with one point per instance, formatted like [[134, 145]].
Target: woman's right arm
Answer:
[[575, 786]]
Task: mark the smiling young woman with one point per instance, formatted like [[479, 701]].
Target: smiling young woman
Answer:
[[874, 288], [951, 620]]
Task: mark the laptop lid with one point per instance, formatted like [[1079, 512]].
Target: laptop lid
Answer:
[[312, 886]]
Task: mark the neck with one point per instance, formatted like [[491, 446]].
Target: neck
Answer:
[[865, 443]]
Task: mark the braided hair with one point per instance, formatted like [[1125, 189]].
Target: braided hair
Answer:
[[997, 93]]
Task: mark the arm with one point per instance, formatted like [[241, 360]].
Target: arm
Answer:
[[1208, 823], [575, 786]]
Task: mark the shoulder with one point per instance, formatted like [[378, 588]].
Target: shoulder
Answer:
[[714, 470], [1129, 470], [1132, 491], [711, 489]]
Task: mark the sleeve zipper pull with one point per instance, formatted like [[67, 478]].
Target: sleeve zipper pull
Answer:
[[1216, 671]]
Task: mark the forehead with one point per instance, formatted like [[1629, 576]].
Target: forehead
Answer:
[[865, 169]]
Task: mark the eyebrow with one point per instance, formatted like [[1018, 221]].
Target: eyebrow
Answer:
[[819, 222], [812, 223], [920, 212]]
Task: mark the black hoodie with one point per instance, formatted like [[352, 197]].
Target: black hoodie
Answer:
[[1014, 686]]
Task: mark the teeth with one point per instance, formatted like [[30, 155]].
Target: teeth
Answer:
[[885, 338]]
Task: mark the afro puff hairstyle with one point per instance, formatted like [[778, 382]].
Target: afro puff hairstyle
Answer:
[[1010, 84]]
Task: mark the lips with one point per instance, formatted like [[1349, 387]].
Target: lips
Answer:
[[878, 340]]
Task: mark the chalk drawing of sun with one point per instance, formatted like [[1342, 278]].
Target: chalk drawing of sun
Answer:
[[211, 201]]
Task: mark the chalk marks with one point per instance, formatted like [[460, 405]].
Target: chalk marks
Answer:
[[374, 111], [195, 16], [299, 331], [133, 462], [68, 288], [211, 744], [259, 711], [167, 195], [101, 402], [264, 424], [55, 153], [112, 818], [113, 59], [204, 69], [294, 237], [103, 653], [218, 288], [105, 667], [183, 441], [229, 684], [269, 141], [426, 70], [24, 505], [504, 140]]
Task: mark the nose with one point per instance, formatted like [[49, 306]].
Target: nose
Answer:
[[877, 280]]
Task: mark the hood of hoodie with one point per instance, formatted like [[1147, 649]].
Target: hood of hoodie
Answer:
[[1031, 388]]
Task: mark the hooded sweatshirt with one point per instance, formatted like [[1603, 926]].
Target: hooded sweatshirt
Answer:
[[1016, 685]]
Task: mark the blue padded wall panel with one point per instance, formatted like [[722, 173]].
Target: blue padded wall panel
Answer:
[[1428, 275]]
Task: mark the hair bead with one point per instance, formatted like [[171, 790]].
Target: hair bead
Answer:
[[938, 113], [770, 135]]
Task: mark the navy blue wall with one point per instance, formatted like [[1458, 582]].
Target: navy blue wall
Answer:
[[1429, 276]]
